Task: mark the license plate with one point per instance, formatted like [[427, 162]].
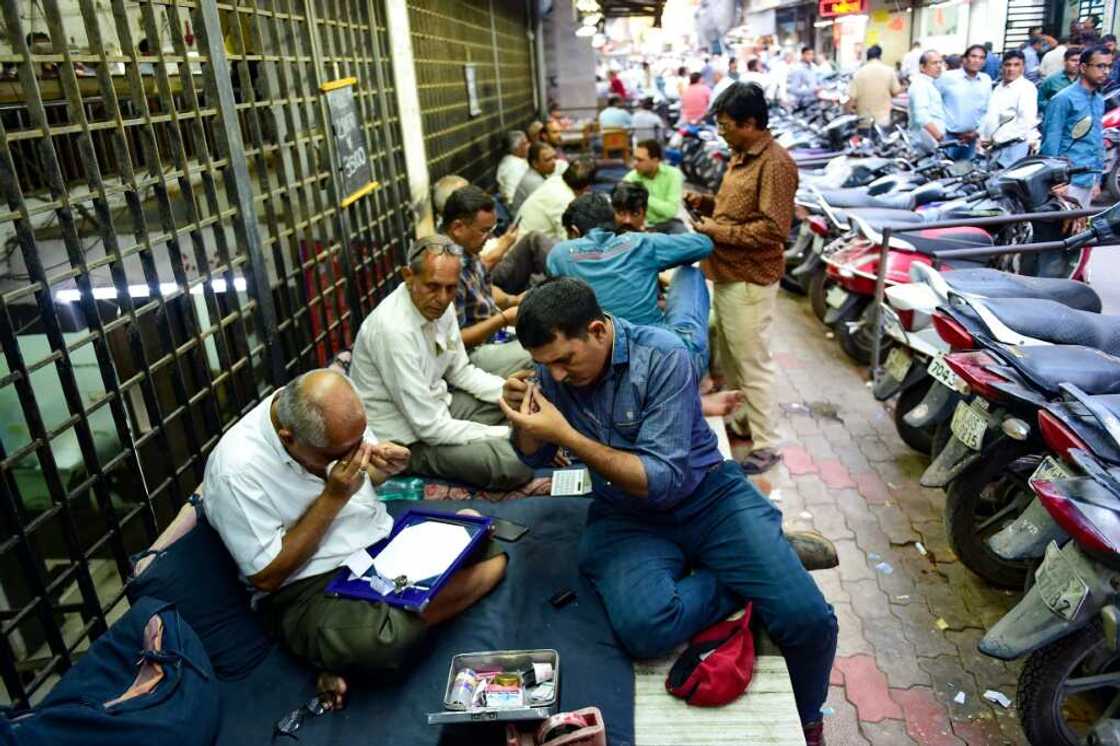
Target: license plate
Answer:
[[836, 296], [1061, 588], [969, 426], [943, 374], [1050, 470], [898, 363]]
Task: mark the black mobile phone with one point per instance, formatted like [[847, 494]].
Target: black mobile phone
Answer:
[[508, 530]]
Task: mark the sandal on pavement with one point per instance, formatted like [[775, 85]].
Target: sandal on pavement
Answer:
[[761, 460]]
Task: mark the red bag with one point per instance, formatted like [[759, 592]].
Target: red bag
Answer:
[[717, 665]]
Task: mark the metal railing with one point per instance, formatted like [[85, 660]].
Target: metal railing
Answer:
[[948, 254]]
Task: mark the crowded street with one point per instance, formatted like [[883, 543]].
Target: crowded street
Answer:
[[560, 373]]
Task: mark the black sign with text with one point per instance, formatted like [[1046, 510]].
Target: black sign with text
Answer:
[[353, 163]]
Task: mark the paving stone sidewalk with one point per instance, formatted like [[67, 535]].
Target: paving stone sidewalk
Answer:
[[909, 622]]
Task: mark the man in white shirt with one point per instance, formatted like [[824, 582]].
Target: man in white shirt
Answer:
[[418, 386], [647, 124], [290, 490], [542, 163], [513, 164], [1053, 61], [1015, 99], [544, 208], [911, 64]]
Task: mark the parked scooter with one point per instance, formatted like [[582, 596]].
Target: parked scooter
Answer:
[[1024, 188], [1068, 623], [995, 446]]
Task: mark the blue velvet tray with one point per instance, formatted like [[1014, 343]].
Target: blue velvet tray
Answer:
[[413, 599]]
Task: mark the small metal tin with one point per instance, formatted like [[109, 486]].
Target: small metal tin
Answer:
[[506, 660]]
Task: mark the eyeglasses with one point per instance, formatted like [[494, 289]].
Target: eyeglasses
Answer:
[[1100, 65], [435, 245]]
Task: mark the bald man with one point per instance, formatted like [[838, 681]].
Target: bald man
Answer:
[[290, 489]]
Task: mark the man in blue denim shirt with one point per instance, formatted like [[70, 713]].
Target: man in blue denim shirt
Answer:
[[676, 537], [1072, 128]]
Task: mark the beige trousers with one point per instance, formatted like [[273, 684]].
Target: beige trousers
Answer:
[[743, 315]]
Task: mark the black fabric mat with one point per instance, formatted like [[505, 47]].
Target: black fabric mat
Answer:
[[594, 670]]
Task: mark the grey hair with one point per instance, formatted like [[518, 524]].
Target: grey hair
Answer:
[[429, 245], [444, 188], [301, 414], [514, 138]]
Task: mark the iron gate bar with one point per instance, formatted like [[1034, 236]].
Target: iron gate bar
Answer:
[[158, 180], [228, 136], [1051, 216], [104, 219], [63, 367], [391, 156], [332, 23], [293, 174]]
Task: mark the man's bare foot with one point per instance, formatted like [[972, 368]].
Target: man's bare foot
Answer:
[[332, 690], [721, 403]]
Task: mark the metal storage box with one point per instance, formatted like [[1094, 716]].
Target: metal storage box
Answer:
[[508, 660]]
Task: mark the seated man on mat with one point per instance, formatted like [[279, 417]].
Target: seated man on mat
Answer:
[[289, 519], [420, 389], [676, 537], [483, 310], [610, 252], [513, 259]]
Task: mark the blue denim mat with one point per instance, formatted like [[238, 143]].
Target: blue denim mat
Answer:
[[594, 669]]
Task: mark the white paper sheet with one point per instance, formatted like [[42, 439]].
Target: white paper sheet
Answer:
[[575, 481], [359, 562], [421, 551]]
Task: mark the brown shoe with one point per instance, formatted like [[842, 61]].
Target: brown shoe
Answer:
[[814, 733], [814, 550]]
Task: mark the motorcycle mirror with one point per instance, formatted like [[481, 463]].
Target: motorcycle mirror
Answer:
[[1106, 225]]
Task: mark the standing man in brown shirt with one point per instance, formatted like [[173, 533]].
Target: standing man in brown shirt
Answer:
[[749, 221]]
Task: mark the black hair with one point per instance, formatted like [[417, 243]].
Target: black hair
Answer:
[[613, 101], [1072, 52], [694, 78], [743, 101], [647, 103], [975, 46], [926, 56], [629, 196], [464, 204], [682, 71], [1014, 54], [1108, 37], [535, 149], [564, 305], [588, 211], [580, 174], [1087, 54], [874, 52], [752, 65], [652, 147], [953, 62], [806, 49]]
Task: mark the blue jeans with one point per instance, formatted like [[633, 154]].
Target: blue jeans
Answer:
[[663, 577], [962, 152], [686, 313]]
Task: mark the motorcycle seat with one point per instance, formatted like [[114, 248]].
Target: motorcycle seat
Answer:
[[1051, 321], [1093, 371], [878, 218], [992, 283], [858, 197], [939, 239]]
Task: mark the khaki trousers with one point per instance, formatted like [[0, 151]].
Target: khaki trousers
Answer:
[[489, 464], [743, 314]]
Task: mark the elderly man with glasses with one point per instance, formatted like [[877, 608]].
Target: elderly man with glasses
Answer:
[[418, 386]]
